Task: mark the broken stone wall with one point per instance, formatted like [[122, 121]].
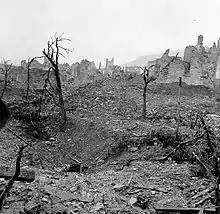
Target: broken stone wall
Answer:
[[200, 65], [109, 67], [218, 68], [35, 64], [109, 63], [18, 77], [82, 72]]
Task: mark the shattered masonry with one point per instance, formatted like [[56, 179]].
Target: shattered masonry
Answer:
[[199, 66]]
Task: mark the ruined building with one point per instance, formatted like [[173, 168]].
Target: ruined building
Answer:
[[109, 67], [34, 64], [84, 71], [199, 66]]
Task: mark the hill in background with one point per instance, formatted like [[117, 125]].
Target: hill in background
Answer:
[[143, 60]]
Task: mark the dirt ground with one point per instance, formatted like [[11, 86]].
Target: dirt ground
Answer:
[[105, 132]]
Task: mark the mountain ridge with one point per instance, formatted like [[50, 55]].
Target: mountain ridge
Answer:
[[143, 60]]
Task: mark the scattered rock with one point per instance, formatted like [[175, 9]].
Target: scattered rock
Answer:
[[119, 167], [73, 189], [63, 195], [119, 186], [31, 207], [45, 200], [86, 199], [59, 209], [76, 167], [49, 143], [143, 201], [153, 192], [114, 163], [133, 149], [132, 201], [98, 207]]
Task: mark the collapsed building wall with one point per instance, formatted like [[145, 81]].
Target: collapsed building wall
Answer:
[[84, 71], [109, 67], [199, 66]]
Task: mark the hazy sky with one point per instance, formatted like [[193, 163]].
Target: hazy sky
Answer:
[[98, 29]]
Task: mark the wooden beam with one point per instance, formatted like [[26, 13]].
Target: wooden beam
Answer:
[[25, 175], [168, 210]]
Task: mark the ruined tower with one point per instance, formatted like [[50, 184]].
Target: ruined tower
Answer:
[[218, 45], [200, 40]]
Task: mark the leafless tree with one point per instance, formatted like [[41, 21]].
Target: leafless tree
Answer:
[[150, 75], [46, 91], [7, 66], [30, 60], [178, 107], [52, 53], [147, 77]]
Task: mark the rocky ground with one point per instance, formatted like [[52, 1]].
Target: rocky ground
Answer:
[[117, 147]]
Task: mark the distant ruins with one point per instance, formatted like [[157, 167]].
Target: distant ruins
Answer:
[[199, 66], [77, 73]]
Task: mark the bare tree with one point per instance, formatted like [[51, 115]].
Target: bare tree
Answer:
[[46, 91], [147, 79], [30, 60], [6, 68], [178, 107], [52, 53], [150, 75]]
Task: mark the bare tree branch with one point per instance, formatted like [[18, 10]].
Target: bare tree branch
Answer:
[[53, 53], [5, 70], [29, 62]]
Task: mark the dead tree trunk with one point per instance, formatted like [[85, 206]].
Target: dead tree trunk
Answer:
[[5, 84], [147, 79], [178, 108], [150, 78], [52, 54], [28, 80], [28, 74], [60, 94], [6, 69], [144, 98]]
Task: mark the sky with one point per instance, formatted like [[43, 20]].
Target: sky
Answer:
[[99, 29]]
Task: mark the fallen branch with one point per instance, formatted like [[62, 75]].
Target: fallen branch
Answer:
[[203, 200], [26, 175], [10, 183], [150, 188], [182, 210], [213, 149], [201, 163], [129, 180], [203, 208], [134, 192], [178, 147], [19, 137], [203, 192]]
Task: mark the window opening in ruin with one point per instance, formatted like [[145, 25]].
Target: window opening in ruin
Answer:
[[187, 66]]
